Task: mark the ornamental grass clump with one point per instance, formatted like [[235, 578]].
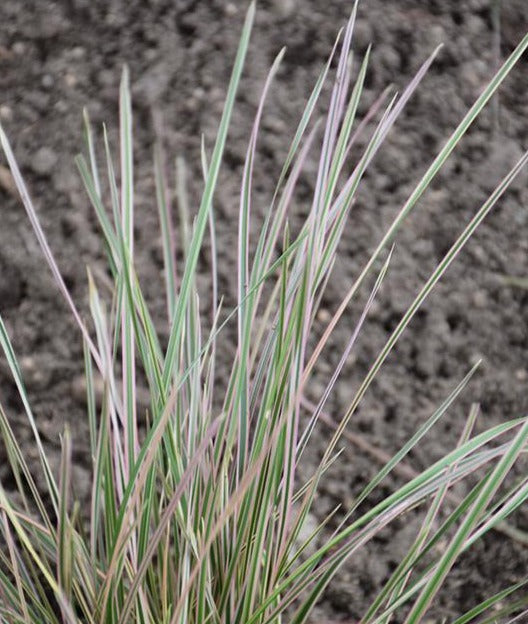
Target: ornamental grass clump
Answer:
[[198, 508]]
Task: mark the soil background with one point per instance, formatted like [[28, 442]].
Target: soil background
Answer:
[[56, 57]]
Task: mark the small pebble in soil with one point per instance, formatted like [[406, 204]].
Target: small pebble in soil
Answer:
[[284, 7], [19, 48], [78, 53], [323, 315], [521, 374], [70, 80], [7, 182], [36, 372], [436, 35], [480, 299], [47, 81], [230, 9], [6, 113], [44, 161]]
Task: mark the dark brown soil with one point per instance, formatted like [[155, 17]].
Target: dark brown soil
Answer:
[[56, 57]]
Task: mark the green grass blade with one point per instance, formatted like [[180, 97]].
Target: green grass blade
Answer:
[[205, 205], [453, 550]]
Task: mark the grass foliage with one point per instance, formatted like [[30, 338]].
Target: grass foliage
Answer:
[[198, 509]]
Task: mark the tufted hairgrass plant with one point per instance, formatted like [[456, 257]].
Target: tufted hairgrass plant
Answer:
[[198, 508]]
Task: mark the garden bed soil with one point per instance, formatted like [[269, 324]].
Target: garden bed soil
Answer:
[[56, 57]]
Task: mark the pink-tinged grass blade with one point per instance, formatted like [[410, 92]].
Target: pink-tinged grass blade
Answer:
[[15, 569], [426, 289], [32, 214]]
